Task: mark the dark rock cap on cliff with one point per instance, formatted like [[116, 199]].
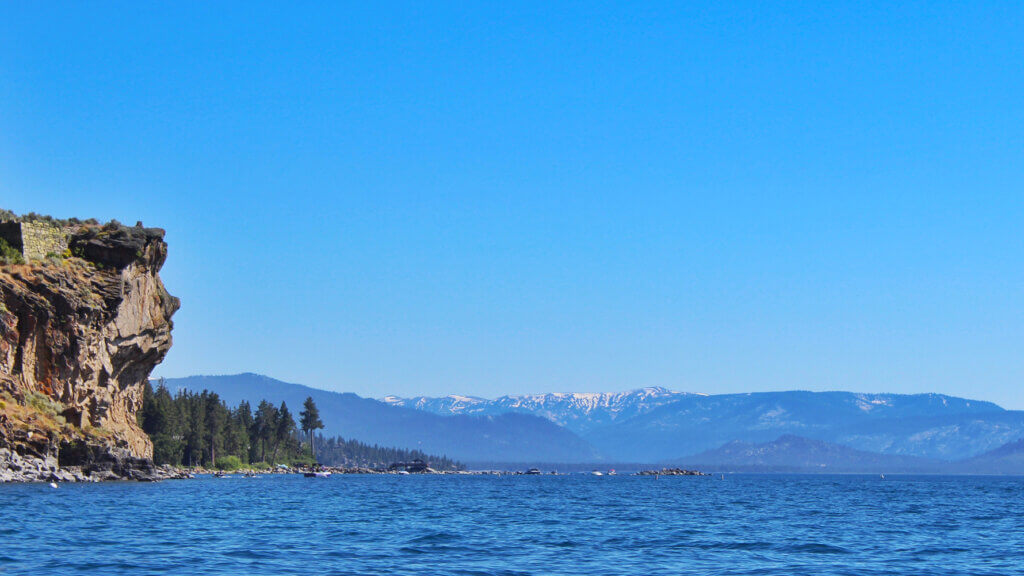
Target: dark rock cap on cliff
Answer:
[[118, 246]]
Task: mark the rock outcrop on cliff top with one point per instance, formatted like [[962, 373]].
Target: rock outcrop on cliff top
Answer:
[[79, 335]]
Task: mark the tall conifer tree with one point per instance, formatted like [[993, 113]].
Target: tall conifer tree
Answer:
[[310, 419]]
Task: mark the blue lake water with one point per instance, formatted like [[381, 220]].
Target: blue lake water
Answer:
[[518, 525]]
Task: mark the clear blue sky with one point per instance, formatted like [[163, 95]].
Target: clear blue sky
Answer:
[[428, 199]]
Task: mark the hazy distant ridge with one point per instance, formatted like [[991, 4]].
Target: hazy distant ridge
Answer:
[[792, 430], [924, 425], [507, 437], [796, 454], [653, 424]]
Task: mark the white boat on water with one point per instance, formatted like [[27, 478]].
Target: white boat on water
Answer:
[[317, 474], [597, 473]]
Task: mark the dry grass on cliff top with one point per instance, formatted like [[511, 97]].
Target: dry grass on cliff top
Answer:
[[28, 269], [74, 270], [32, 416], [41, 414]]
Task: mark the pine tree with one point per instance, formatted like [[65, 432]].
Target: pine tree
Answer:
[[310, 419], [214, 421], [285, 426], [162, 421], [259, 424], [147, 416], [265, 426], [237, 438], [194, 426]]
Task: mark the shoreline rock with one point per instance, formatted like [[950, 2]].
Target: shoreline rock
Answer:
[[116, 465]]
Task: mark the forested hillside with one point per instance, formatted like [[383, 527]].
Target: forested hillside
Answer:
[[200, 429], [353, 453]]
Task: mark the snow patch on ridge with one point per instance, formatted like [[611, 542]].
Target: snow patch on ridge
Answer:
[[577, 411]]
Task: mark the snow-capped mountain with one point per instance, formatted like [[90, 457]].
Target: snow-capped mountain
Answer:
[[577, 411], [498, 438], [655, 424], [658, 425], [446, 406], [927, 425]]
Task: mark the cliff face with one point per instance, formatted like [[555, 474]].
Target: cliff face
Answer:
[[79, 336]]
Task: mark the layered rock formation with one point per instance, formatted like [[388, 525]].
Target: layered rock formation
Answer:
[[79, 337]]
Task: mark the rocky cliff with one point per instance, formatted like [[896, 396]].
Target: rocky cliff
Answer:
[[79, 335]]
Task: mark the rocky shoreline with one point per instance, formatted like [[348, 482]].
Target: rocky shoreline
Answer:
[[15, 467], [118, 465]]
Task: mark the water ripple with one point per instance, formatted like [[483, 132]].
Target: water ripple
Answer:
[[517, 526]]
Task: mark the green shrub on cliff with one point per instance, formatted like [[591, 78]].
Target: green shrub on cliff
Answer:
[[9, 216], [9, 254], [43, 404], [41, 218]]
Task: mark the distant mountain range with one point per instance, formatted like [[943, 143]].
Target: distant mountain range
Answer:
[[924, 425], [503, 437], [796, 454], [796, 430], [580, 412], [653, 424], [1007, 459]]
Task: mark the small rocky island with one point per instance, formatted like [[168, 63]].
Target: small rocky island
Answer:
[[671, 472], [84, 319]]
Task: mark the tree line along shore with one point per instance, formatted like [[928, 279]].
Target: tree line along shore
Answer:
[[201, 433], [199, 430]]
